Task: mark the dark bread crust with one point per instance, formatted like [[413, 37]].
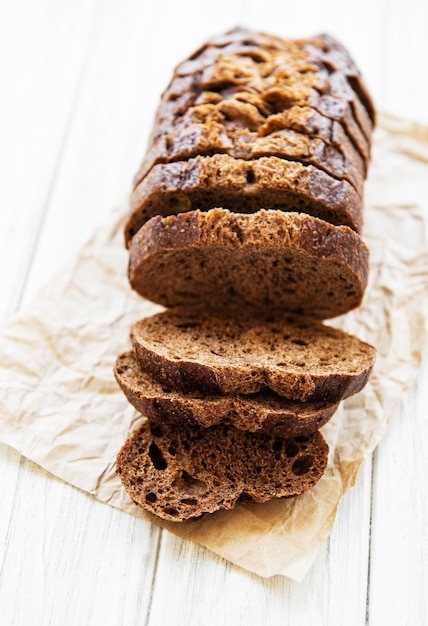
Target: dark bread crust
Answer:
[[325, 48], [272, 260], [210, 135], [265, 412], [294, 84], [252, 60], [244, 187], [237, 125], [294, 357], [182, 472], [263, 76], [182, 96]]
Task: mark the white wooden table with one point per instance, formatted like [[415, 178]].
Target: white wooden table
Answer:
[[79, 84]]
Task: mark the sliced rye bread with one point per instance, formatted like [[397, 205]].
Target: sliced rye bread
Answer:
[[335, 58], [227, 129], [272, 73], [323, 48], [244, 187], [255, 64], [303, 85], [212, 124], [294, 357], [181, 96], [263, 412], [269, 260], [181, 472]]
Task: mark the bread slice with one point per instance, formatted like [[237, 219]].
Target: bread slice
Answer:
[[267, 260], [180, 473], [212, 124], [215, 133], [263, 412], [244, 187], [296, 358]]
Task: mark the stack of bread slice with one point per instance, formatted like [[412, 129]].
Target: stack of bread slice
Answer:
[[245, 224]]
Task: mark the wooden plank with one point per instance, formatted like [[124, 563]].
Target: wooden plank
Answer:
[[72, 556], [399, 555]]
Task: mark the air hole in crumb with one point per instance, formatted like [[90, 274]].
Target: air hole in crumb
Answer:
[[188, 325], [302, 466], [190, 501], [277, 445], [157, 431], [250, 177], [157, 457], [189, 484], [151, 497], [299, 342], [291, 449], [172, 451], [171, 512]]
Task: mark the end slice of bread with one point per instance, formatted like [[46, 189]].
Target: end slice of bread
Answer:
[[267, 260], [263, 412], [180, 473], [296, 358]]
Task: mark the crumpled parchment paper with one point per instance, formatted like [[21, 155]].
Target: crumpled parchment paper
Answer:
[[61, 407]]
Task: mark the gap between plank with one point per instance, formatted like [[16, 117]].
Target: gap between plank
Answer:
[[155, 570], [373, 462]]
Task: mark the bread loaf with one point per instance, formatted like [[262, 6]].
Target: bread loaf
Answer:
[[245, 221]]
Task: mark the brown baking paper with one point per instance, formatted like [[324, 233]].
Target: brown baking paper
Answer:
[[61, 407]]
